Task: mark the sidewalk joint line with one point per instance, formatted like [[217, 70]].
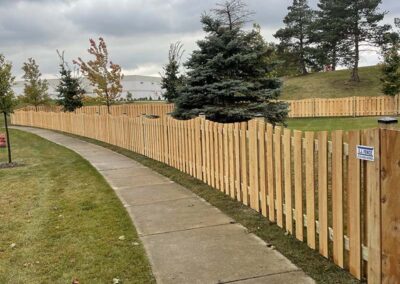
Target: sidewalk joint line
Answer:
[[260, 276], [188, 229]]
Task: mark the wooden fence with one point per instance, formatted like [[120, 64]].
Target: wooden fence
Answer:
[[132, 110], [350, 106], [310, 184]]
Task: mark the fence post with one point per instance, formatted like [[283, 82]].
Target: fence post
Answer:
[[390, 209], [373, 194]]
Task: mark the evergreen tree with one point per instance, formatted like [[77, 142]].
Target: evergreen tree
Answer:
[[129, 96], [6, 96], [330, 31], [228, 78], [362, 28], [171, 82], [297, 34], [391, 65], [70, 93], [391, 71], [35, 89]]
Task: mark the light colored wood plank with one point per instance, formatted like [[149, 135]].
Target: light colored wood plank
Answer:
[[226, 160], [244, 162], [253, 165], [278, 176], [354, 206], [298, 183], [371, 138], [270, 174], [323, 192], [310, 189], [390, 159], [231, 155], [337, 197], [262, 168], [237, 162], [221, 158], [287, 154]]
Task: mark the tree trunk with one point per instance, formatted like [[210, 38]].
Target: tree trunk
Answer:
[[302, 60], [354, 74], [8, 138], [334, 59]]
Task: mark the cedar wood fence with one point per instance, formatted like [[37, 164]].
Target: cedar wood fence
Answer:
[[316, 107], [310, 184]]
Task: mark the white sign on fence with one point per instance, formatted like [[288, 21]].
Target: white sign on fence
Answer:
[[365, 153]]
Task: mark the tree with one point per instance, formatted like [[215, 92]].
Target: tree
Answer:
[[35, 89], [391, 65], [297, 33], [362, 28], [129, 96], [228, 78], [70, 93], [330, 31], [105, 76], [6, 96], [171, 82]]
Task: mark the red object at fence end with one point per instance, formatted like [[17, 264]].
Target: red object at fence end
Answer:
[[2, 141]]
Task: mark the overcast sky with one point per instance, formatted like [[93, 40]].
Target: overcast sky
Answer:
[[138, 32]]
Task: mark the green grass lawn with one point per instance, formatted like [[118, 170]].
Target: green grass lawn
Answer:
[[64, 220], [333, 85], [329, 123]]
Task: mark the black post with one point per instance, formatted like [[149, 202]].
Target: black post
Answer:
[[7, 138]]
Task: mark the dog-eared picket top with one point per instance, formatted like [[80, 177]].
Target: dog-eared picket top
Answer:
[[311, 184]]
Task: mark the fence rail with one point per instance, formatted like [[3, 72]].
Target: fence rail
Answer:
[[309, 184]]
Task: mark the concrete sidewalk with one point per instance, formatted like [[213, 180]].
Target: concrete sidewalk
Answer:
[[187, 240]]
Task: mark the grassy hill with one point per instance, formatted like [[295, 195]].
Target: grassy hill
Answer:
[[333, 84]]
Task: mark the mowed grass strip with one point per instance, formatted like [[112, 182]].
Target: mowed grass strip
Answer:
[[332, 123], [64, 220]]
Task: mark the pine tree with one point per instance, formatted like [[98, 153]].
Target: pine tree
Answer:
[[171, 81], [35, 89], [6, 96], [391, 71], [391, 65], [70, 93], [362, 28], [297, 33], [330, 31], [228, 78]]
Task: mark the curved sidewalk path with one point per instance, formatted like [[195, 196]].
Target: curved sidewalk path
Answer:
[[187, 240]]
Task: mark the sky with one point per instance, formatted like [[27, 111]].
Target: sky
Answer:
[[137, 32]]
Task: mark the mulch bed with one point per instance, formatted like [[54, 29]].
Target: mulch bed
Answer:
[[9, 165]]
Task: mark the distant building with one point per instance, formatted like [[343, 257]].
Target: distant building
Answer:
[[140, 87]]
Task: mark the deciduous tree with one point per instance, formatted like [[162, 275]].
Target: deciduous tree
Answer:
[[35, 89], [104, 75], [6, 96]]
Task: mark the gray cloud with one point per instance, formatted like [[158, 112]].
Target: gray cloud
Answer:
[[138, 32]]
